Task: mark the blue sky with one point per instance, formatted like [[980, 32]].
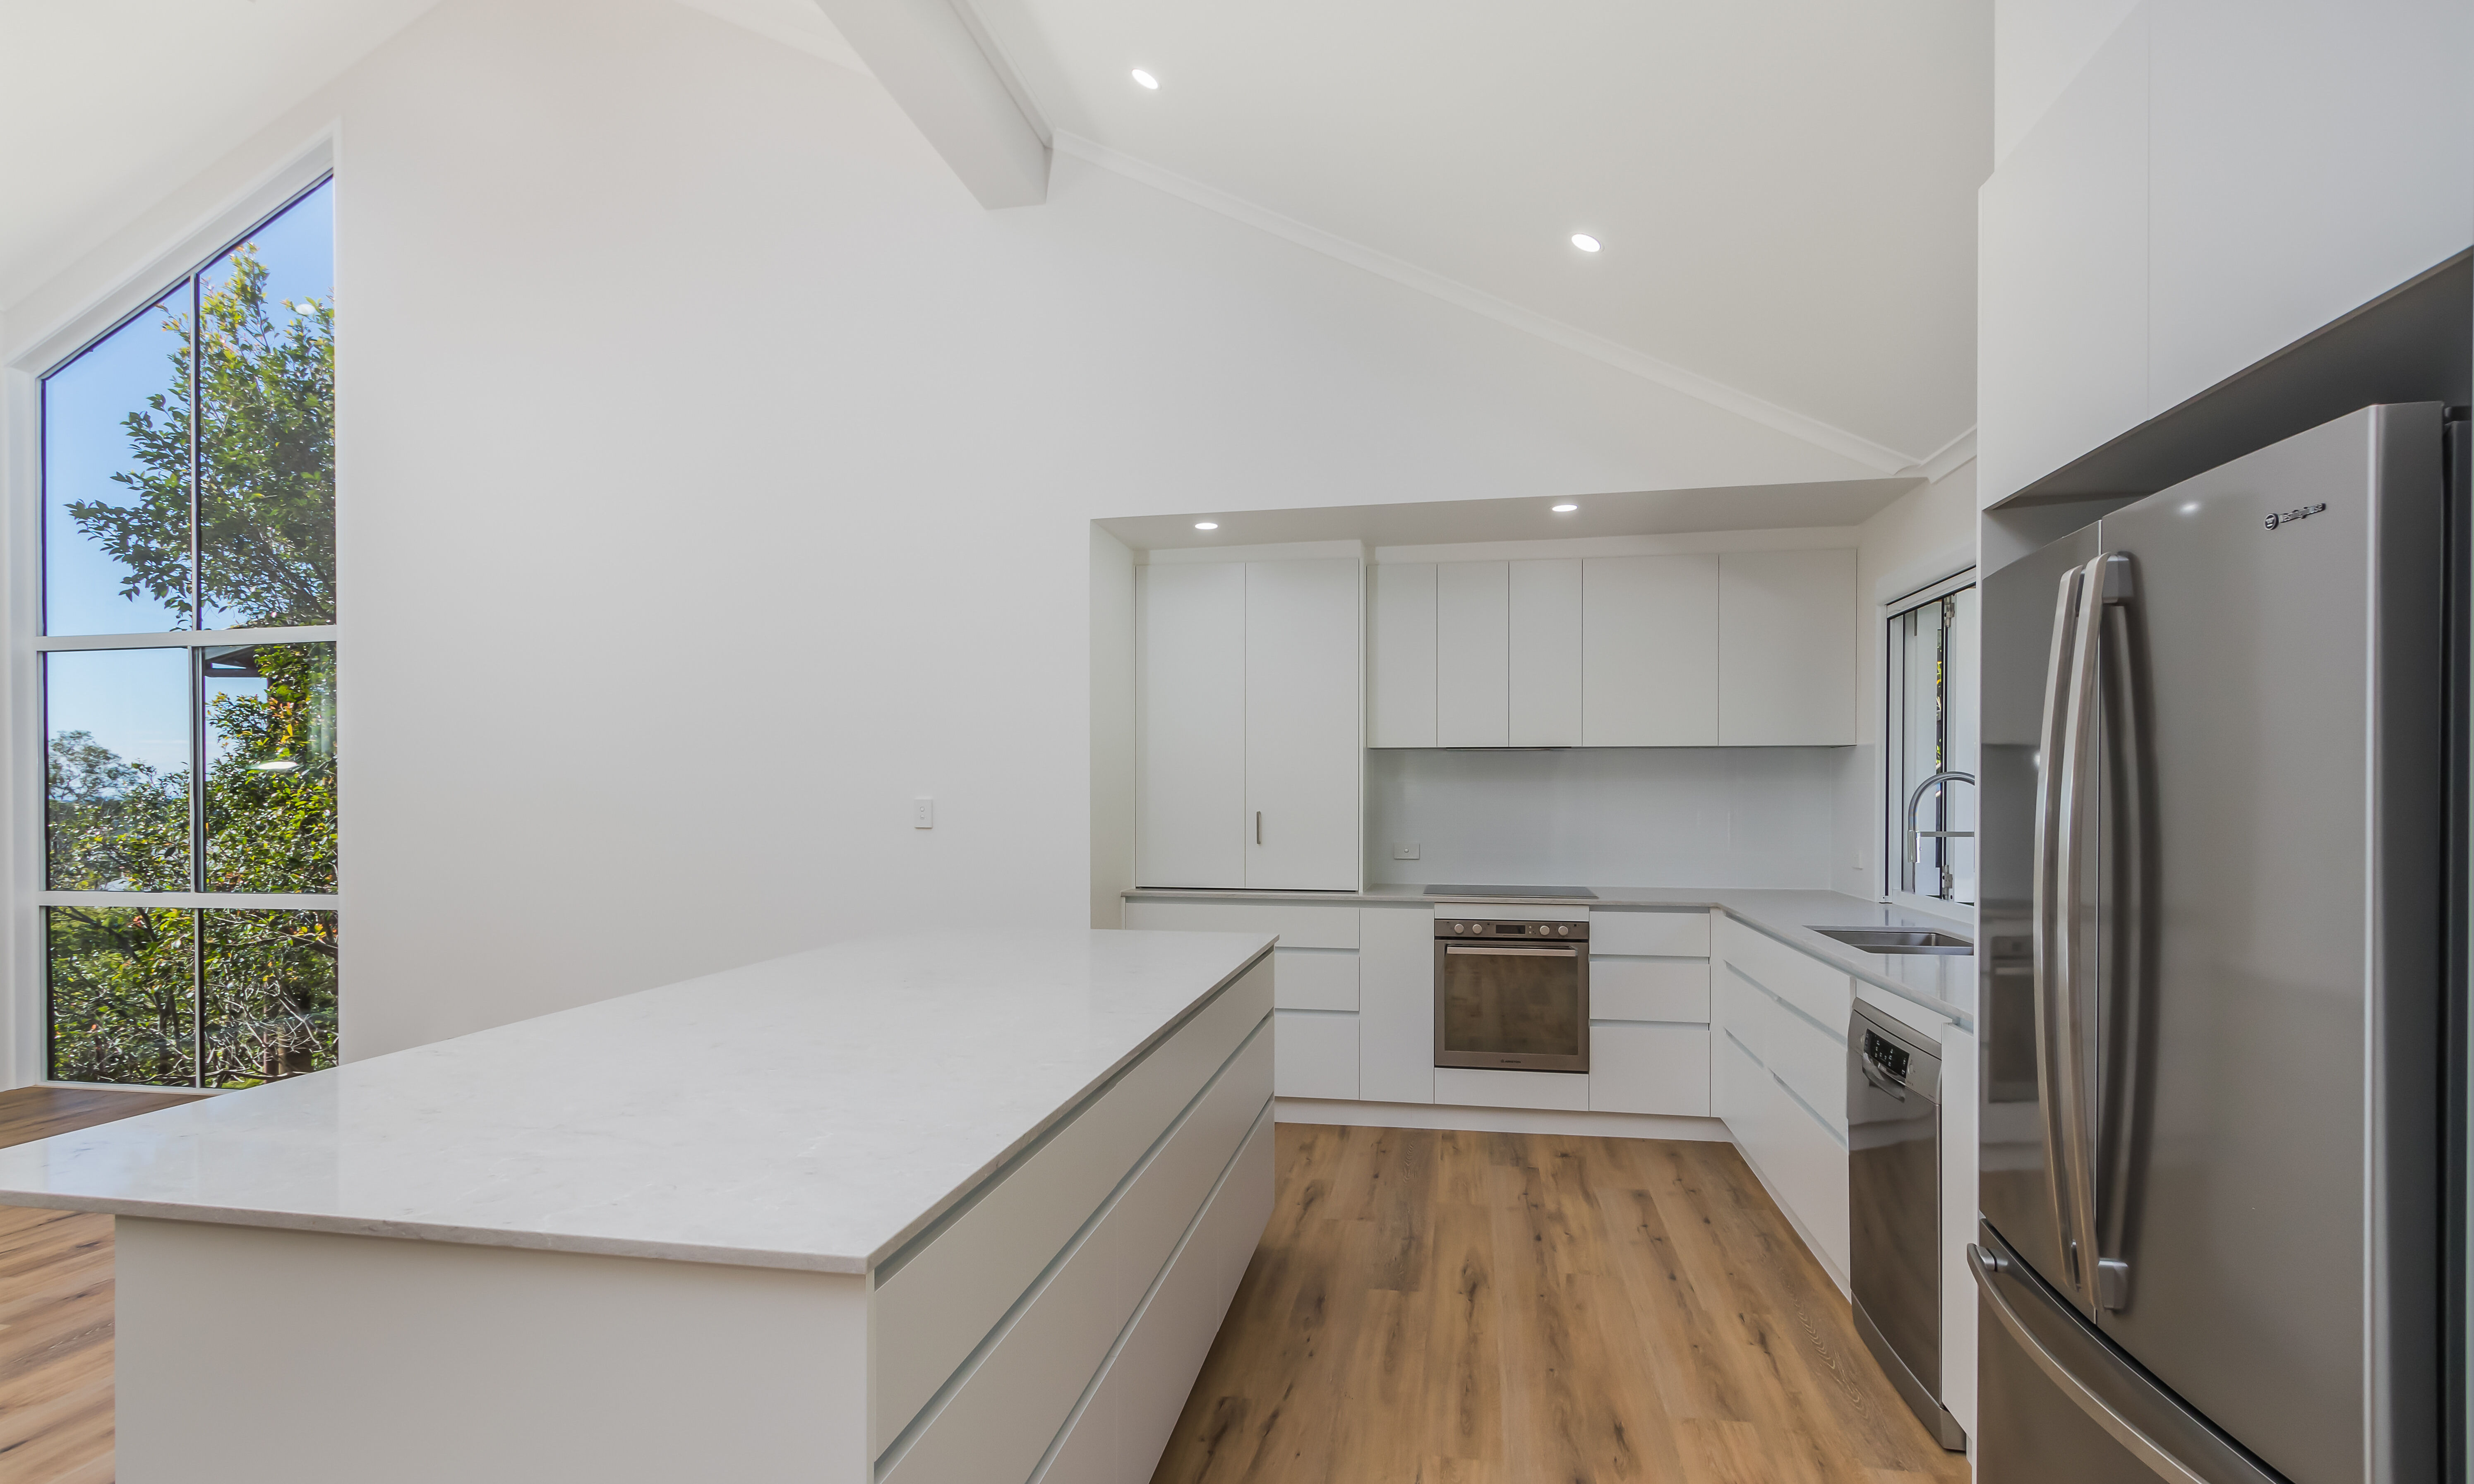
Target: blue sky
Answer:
[[135, 701], [83, 404]]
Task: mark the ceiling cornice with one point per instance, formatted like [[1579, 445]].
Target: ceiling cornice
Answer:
[[1666, 374], [1947, 459]]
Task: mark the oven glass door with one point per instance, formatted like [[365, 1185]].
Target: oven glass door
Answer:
[[1523, 1009]]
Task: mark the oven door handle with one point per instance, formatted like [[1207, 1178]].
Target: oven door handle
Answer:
[[1515, 952]]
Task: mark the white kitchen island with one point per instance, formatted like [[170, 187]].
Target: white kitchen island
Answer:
[[909, 1212]]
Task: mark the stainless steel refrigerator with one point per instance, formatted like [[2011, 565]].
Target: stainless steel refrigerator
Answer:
[[2216, 760]]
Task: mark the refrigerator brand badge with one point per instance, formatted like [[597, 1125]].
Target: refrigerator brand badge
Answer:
[[2276, 518]]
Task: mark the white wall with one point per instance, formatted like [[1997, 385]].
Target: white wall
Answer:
[[2037, 46], [1605, 816], [715, 480], [1921, 537]]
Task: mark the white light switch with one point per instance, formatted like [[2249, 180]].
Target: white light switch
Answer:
[[923, 814], [1405, 850]]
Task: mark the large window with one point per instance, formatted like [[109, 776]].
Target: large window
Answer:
[[1930, 720], [189, 676]]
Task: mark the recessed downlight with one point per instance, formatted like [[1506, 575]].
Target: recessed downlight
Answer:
[[1585, 242], [1564, 509], [1147, 80], [1207, 525]]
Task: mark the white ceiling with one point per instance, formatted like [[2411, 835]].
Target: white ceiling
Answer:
[[107, 104], [1785, 188]]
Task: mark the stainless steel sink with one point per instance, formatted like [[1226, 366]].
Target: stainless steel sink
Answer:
[[1899, 939]]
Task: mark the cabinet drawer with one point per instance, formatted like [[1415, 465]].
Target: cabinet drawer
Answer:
[[1314, 979], [1316, 1053], [1807, 1165], [1744, 1010], [1649, 989], [1012, 1400], [1298, 924], [1812, 1063], [1808, 984], [1662, 934], [1649, 1069], [945, 1297], [1477, 1086]]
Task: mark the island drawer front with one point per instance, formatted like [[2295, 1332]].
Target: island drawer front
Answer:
[[1298, 924], [939, 1303], [1681, 933], [1649, 989], [1007, 1407], [1315, 979], [1134, 1404], [1808, 984]]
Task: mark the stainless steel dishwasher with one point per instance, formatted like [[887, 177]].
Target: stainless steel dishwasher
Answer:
[[1894, 1207]]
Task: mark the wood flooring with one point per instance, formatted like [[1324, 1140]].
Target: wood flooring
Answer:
[[55, 1306], [1482, 1308]]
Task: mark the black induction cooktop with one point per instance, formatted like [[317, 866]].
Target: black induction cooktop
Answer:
[[1582, 894]]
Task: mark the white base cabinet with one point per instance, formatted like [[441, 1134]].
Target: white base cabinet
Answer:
[[1779, 1036]]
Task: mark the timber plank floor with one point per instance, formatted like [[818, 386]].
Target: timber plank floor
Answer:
[[56, 1304], [1488, 1309]]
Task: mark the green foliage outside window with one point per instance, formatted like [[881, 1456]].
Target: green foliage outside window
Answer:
[[214, 997]]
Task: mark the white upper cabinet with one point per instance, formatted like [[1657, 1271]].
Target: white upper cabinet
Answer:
[[2221, 179], [2062, 276], [2304, 158], [1473, 654], [1190, 826], [1786, 648], [1246, 708], [1649, 651], [1544, 684], [1400, 673], [1302, 740]]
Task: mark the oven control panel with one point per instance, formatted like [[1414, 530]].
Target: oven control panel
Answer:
[[1500, 927]]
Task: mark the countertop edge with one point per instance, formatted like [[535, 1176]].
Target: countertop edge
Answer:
[[515, 1239], [1796, 936]]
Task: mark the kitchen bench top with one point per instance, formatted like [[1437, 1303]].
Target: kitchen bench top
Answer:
[[811, 1112], [1944, 983]]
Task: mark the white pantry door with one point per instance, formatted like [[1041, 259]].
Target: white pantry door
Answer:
[[1301, 733], [1190, 821]]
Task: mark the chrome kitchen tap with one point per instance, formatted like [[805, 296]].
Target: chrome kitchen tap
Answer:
[[1916, 837]]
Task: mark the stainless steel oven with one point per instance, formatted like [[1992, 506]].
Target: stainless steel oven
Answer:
[[1512, 993]]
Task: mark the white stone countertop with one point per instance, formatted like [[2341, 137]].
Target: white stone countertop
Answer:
[[812, 1112], [1944, 983]]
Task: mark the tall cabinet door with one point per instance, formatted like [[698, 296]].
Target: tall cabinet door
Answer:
[[1545, 685], [1401, 663], [1302, 756], [1649, 651], [1190, 823], [1473, 629]]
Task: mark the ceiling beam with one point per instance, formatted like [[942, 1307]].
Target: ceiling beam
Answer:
[[940, 72]]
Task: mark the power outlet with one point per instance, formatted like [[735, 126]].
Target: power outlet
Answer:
[[923, 814], [1405, 850]]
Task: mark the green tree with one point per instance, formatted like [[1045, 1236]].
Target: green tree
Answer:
[[141, 994], [266, 451]]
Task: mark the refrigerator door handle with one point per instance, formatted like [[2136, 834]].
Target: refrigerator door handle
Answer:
[[1986, 1269], [2043, 948], [2121, 967]]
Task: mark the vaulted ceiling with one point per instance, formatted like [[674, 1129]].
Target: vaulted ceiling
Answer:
[[1784, 189]]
